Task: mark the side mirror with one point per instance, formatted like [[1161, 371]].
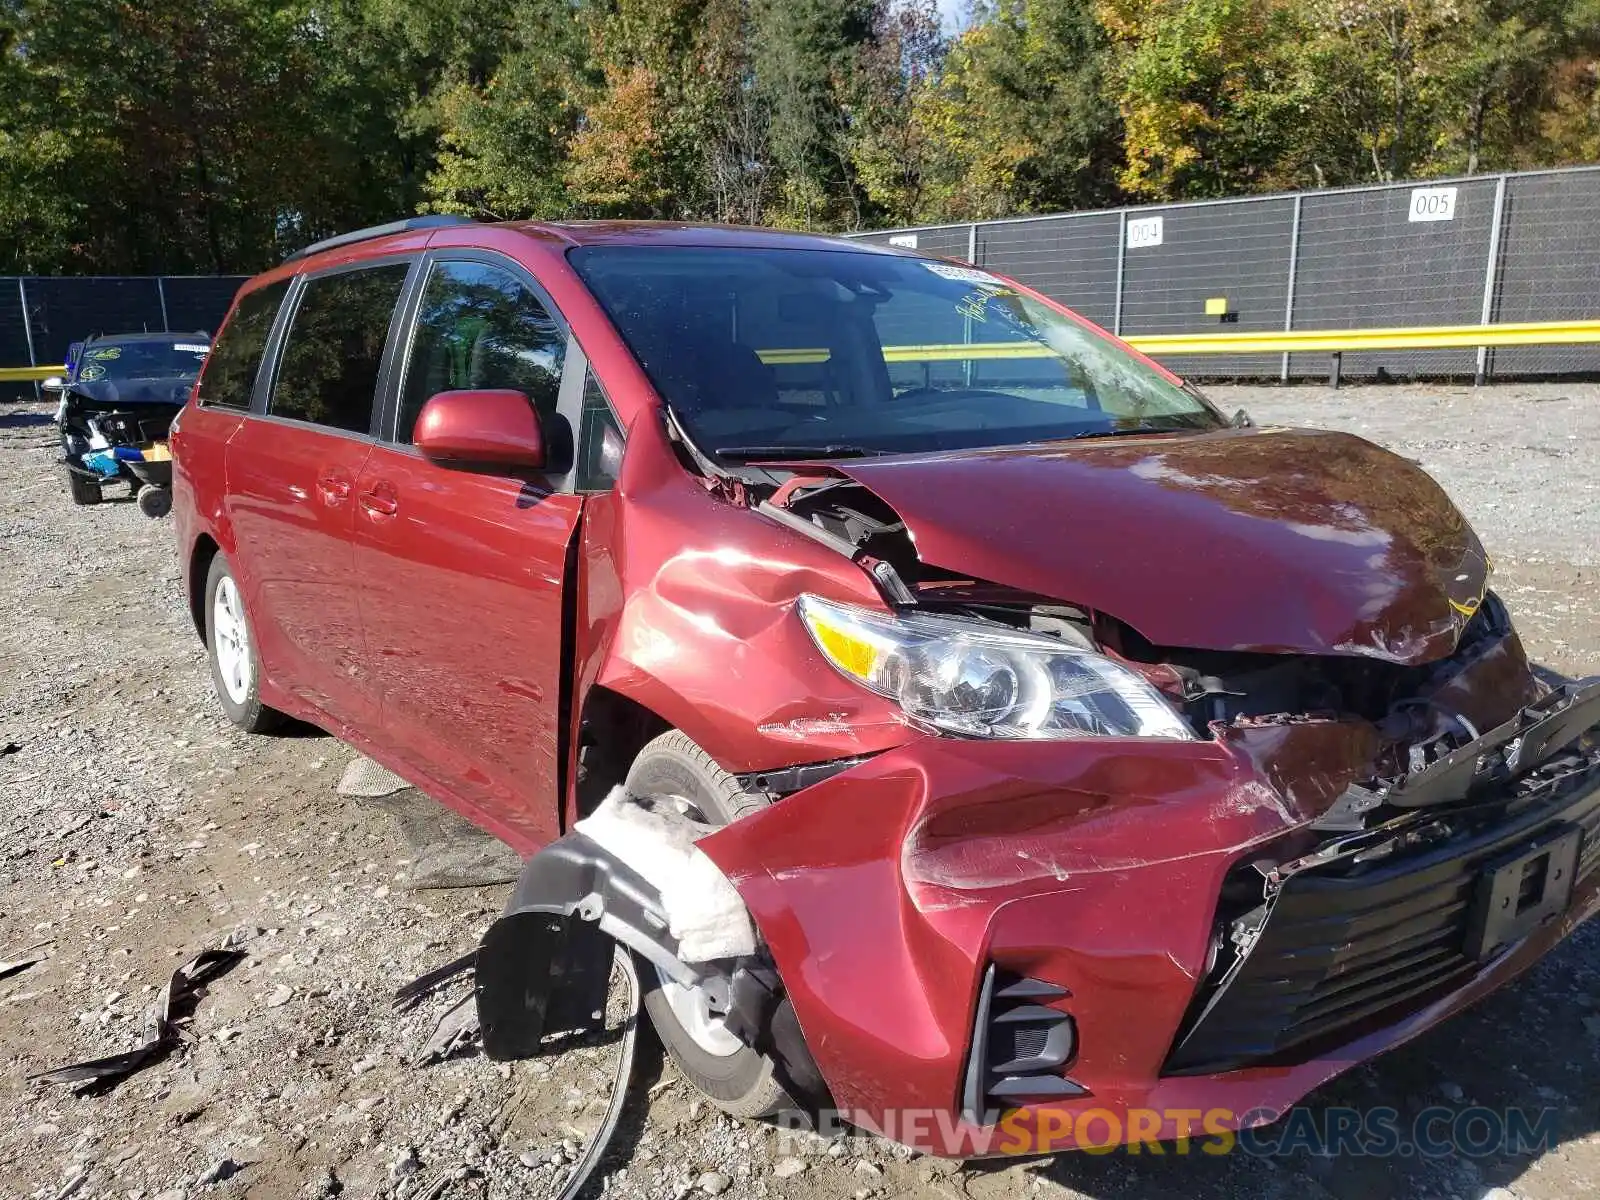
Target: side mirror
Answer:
[[54, 384], [490, 426]]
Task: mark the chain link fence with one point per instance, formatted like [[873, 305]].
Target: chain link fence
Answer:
[[1478, 251], [40, 316]]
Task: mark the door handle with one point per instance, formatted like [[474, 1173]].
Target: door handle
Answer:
[[380, 501]]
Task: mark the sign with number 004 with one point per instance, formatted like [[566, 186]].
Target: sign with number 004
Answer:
[[1433, 204], [1143, 232]]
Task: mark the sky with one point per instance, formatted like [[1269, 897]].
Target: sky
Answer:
[[953, 12]]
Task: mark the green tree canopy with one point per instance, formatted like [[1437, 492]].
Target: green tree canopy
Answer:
[[217, 135]]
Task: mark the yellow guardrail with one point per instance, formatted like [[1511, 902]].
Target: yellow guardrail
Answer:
[[1429, 337], [1436, 337], [1308, 341], [29, 374]]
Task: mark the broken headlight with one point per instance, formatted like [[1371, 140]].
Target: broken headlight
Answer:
[[987, 680]]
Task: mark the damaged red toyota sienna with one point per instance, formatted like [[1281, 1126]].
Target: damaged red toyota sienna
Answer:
[[951, 709]]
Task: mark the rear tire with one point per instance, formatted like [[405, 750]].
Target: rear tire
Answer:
[[740, 1082], [231, 647], [83, 491]]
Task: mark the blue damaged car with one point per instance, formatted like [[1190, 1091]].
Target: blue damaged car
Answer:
[[118, 399]]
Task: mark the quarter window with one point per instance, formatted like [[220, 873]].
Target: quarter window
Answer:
[[229, 376], [328, 374], [481, 327], [600, 440]]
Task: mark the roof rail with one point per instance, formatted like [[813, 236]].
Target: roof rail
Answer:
[[436, 221]]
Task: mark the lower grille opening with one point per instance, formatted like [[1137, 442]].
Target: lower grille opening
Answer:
[[1354, 943], [1020, 1045], [1025, 1043]]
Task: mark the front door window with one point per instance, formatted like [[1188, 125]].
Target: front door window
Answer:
[[481, 327]]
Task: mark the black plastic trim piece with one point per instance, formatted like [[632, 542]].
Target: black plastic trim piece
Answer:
[[1036, 1087], [1032, 989], [539, 964], [806, 528], [783, 780], [1533, 735], [1349, 945], [1027, 1077], [973, 1089]]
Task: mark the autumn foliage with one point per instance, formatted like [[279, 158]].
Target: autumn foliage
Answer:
[[215, 135]]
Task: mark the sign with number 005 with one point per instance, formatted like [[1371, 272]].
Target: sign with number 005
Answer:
[[1433, 204]]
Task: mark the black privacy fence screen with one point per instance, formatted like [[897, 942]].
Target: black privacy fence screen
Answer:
[[1487, 250], [40, 316]]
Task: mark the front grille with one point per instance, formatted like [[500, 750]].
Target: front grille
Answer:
[[1351, 945]]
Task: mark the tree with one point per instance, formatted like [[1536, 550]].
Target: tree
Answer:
[[648, 138], [490, 91], [1501, 70], [893, 153], [45, 126], [1022, 112], [1230, 96], [802, 53], [195, 135], [1214, 94], [203, 135]]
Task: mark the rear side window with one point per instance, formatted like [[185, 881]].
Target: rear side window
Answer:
[[230, 371], [328, 371], [481, 327]]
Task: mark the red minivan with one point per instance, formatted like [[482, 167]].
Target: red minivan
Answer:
[[1084, 764]]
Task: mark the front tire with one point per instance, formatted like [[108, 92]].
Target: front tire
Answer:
[[231, 647], [738, 1079]]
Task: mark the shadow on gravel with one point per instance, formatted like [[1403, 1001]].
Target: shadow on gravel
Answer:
[[293, 728], [25, 420], [648, 1064]]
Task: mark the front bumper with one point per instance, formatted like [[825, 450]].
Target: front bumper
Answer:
[[894, 896]]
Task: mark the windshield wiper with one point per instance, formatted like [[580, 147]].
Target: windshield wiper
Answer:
[[1141, 427], [790, 453]]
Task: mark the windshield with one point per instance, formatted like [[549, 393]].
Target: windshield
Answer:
[[142, 360], [774, 353]]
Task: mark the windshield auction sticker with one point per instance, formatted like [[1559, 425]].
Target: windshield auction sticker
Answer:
[[964, 274]]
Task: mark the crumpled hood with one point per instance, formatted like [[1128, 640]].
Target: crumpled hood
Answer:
[[115, 393], [1276, 540]]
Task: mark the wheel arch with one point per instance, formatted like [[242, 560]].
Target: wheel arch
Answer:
[[612, 729], [205, 549]]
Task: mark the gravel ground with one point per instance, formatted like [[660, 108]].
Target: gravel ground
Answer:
[[137, 827]]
